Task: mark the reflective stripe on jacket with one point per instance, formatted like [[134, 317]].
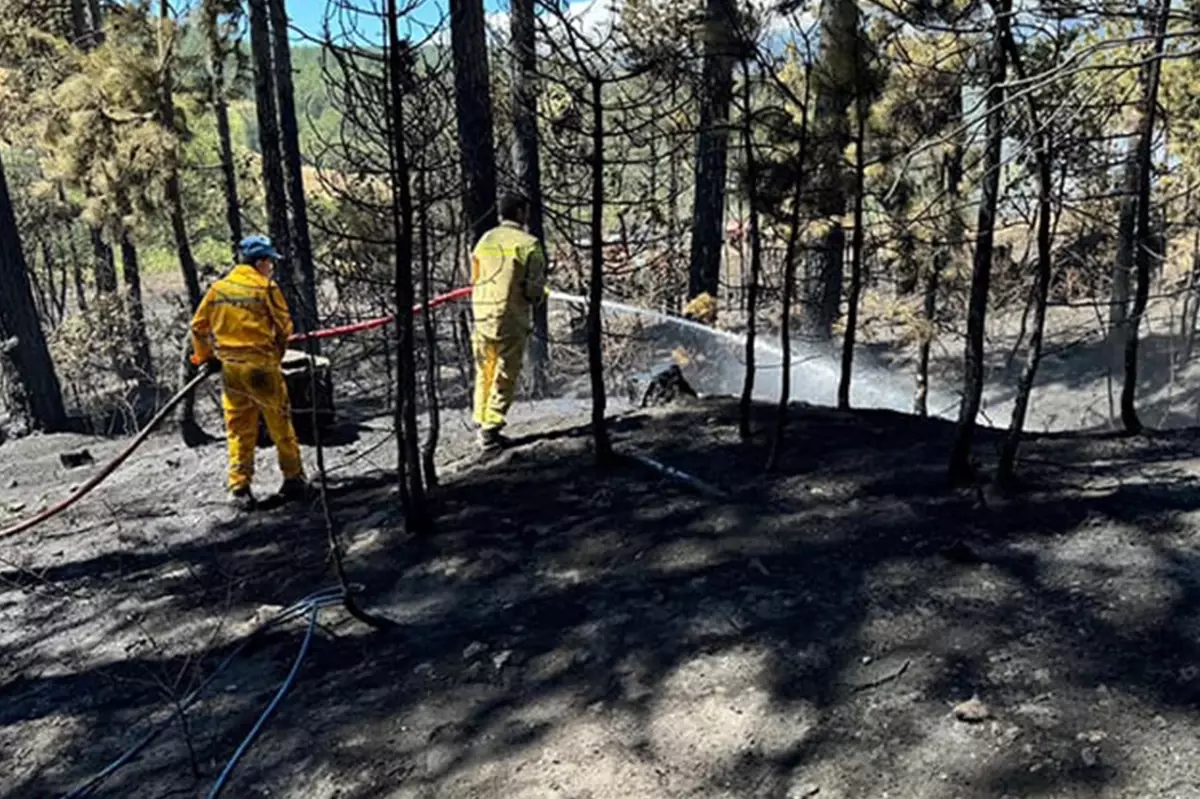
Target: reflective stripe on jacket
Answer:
[[246, 316], [508, 273]]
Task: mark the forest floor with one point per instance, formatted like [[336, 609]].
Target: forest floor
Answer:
[[572, 633]]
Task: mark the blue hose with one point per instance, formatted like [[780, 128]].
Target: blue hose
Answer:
[[310, 602], [283, 689]]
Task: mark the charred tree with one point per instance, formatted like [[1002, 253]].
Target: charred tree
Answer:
[[174, 193], [104, 266], [22, 342], [1145, 238], [856, 261], [77, 275], [527, 164], [1118, 312], [299, 240], [712, 149], [789, 281], [951, 173], [981, 273], [1044, 158], [595, 332], [135, 310], [836, 80], [269, 144], [218, 52], [473, 102], [744, 428], [412, 487], [432, 401]]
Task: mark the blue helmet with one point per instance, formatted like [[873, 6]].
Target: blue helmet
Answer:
[[253, 248]]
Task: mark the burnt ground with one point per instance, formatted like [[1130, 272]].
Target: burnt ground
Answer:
[[568, 632]]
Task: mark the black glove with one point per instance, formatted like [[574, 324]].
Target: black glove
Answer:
[[212, 366]]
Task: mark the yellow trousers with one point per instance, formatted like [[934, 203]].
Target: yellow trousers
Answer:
[[497, 367], [251, 390]]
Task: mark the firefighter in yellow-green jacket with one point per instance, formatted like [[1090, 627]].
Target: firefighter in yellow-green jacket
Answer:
[[246, 317], [508, 278]]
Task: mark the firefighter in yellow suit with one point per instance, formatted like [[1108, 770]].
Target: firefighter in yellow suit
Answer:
[[245, 316], [508, 278]]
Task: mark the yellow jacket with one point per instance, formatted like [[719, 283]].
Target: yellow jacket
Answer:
[[247, 317], [508, 275]]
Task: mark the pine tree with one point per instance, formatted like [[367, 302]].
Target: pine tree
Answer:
[[299, 239], [973, 374], [22, 343], [835, 76], [217, 18], [527, 162], [712, 146], [473, 101]]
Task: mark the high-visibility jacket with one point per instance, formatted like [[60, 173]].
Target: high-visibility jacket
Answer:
[[246, 316], [508, 276]]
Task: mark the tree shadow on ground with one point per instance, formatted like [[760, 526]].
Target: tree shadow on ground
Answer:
[[608, 632]]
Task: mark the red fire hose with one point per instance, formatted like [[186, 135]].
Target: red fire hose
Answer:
[[111, 466], [371, 324]]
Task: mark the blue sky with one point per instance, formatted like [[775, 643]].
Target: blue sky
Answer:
[[309, 15]]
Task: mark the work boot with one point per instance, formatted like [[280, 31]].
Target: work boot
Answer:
[[492, 440], [295, 489], [242, 499]]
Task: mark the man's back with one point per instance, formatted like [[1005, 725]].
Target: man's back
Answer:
[[247, 316], [508, 276]]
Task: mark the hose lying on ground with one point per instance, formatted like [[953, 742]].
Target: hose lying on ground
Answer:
[[227, 772], [696, 483], [110, 467], [311, 603]]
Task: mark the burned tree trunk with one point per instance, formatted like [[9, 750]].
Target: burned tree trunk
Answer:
[[836, 79], [856, 263], [432, 365], [1145, 235], [409, 461], [105, 268], [268, 139], [473, 102], [298, 238], [21, 337], [595, 333], [77, 274], [744, 429], [233, 213], [527, 165], [951, 181], [981, 275], [174, 193], [135, 311], [1118, 312], [192, 433], [1006, 469], [1044, 156], [789, 284], [1122, 271], [217, 53], [929, 317], [712, 149]]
